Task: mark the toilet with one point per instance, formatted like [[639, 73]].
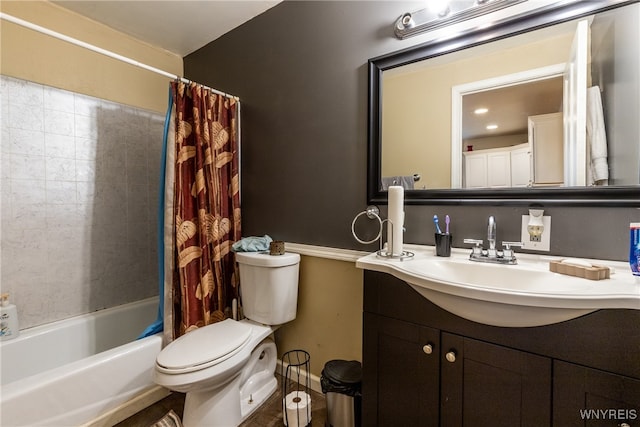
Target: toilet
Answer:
[[227, 369]]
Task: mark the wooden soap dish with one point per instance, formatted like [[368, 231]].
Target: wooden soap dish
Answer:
[[596, 272]]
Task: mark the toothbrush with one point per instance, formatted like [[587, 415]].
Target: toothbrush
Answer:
[[447, 220], [435, 221]]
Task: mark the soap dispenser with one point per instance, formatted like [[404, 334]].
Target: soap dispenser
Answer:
[[8, 319]]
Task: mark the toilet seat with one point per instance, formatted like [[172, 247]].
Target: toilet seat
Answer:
[[204, 347]]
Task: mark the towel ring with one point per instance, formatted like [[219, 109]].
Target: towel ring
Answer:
[[372, 212]]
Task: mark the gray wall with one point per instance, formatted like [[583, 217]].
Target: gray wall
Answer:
[[300, 70]]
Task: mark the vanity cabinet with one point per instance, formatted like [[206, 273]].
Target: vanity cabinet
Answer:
[[425, 375], [407, 373], [489, 385], [423, 366], [616, 397]]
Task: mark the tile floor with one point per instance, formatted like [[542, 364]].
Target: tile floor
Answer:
[[268, 415]]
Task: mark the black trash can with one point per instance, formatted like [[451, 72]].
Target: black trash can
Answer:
[[341, 382]]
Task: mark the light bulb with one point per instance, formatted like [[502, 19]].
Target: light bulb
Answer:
[[439, 7]]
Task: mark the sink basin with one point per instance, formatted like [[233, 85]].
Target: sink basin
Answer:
[[522, 295]]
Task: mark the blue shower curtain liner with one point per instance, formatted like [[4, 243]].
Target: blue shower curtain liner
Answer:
[[157, 326]]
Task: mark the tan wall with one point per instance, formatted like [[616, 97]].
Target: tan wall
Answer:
[[416, 110], [329, 320], [412, 143], [30, 55]]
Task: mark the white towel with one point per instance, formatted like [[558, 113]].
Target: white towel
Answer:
[[598, 168]]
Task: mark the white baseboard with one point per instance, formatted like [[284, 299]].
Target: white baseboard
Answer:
[[314, 380]]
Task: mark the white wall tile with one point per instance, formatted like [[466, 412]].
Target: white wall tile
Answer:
[[61, 192], [28, 191], [24, 166], [4, 113], [59, 146], [58, 99], [65, 215], [85, 170], [85, 105], [86, 149], [30, 216], [59, 122], [60, 169], [71, 201], [23, 141], [85, 192], [27, 117], [24, 92], [34, 290], [85, 127]]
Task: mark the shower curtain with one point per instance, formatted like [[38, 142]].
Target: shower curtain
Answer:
[[201, 276]]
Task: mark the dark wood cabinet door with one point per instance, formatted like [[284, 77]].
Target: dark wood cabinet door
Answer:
[[488, 385], [588, 397], [400, 373]]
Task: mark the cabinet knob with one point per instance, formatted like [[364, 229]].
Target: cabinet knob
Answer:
[[428, 349], [450, 356]]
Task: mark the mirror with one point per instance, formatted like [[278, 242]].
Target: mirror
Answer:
[[424, 135]]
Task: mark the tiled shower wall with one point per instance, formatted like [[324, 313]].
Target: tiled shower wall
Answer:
[[79, 195]]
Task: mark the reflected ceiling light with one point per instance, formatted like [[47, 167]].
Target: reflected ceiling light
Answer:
[[481, 111], [445, 12], [492, 127]]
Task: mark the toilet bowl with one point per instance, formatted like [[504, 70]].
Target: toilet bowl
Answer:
[[227, 369]]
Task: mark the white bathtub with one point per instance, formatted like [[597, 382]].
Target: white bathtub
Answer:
[[73, 372]]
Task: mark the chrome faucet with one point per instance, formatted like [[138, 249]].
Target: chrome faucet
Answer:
[[505, 256], [491, 237]]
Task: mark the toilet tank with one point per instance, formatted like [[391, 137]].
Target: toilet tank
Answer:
[[269, 286]]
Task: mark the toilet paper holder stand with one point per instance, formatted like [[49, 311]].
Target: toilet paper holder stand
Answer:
[[296, 386]]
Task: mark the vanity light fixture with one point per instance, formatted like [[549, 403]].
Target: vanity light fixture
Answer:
[[481, 111], [445, 12], [439, 7]]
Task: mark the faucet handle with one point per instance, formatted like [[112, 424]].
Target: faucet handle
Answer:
[[477, 248], [508, 251], [508, 245], [476, 242]]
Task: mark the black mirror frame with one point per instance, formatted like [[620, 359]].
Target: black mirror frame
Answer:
[[613, 196]]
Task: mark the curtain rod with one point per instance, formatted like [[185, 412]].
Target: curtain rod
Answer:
[[102, 51]]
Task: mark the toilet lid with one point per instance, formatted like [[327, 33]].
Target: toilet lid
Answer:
[[204, 347]]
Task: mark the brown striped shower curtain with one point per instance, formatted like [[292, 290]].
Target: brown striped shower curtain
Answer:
[[206, 206]]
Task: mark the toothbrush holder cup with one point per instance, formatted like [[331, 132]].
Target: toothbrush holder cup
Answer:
[[443, 244]]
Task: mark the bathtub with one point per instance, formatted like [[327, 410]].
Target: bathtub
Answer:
[[79, 371]]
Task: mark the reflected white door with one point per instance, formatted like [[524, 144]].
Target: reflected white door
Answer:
[[575, 108]]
